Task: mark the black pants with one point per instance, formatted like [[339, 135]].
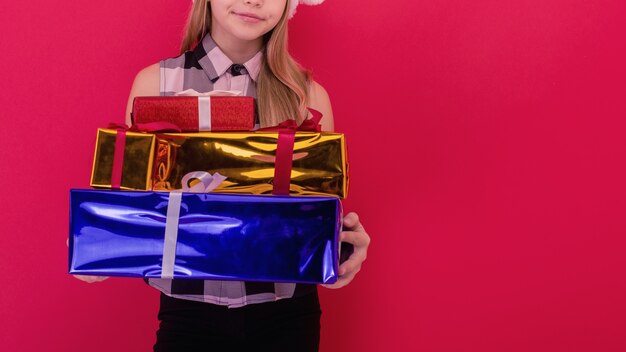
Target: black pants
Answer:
[[285, 325]]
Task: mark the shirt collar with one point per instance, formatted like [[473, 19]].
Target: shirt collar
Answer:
[[215, 63]]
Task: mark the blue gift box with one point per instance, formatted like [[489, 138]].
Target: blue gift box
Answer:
[[204, 236]]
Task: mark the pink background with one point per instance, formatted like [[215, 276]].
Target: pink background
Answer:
[[487, 151]]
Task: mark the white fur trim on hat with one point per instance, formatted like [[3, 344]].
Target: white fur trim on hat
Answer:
[[294, 3]]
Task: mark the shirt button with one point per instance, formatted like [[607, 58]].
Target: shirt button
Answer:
[[236, 69]]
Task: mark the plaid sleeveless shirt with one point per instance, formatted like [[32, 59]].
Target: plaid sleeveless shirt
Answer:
[[204, 69]]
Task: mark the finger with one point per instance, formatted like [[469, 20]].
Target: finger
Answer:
[[358, 239], [91, 278], [341, 282], [85, 278], [351, 220], [351, 265], [346, 275]]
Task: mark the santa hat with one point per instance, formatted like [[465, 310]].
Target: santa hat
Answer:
[[294, 3]]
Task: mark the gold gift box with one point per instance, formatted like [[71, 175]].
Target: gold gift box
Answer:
[[247, 160], [137, 168], [159, 162]]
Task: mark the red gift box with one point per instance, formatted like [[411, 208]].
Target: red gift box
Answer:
[[192, 114]]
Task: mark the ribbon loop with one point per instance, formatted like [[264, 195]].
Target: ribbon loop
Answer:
[[207, 182], [308, 125]]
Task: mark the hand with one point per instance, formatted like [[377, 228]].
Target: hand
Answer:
[[357, 236], [87, 278], [90, 278]]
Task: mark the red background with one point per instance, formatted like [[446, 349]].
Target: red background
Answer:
[[487, 149]]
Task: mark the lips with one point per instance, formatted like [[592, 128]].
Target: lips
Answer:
[[248, 17]]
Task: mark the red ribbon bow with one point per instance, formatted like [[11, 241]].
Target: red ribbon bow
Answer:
[[284, 150], [308, 125]]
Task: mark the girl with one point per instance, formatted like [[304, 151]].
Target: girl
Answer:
[[242, 45]]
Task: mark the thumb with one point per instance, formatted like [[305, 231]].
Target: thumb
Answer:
[[351, 220]]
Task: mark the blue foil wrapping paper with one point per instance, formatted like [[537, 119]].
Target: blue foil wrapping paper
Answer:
[[219, 236]]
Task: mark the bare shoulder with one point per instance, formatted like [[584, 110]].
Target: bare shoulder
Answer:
[[320, 101], [148, 74], [146, 83]]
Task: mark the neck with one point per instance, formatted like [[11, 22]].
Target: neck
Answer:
[[239, 51]]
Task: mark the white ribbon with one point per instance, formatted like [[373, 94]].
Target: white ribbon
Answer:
[[204, 104], [213, 93], [171, 234], [207, 183], [204, 113]]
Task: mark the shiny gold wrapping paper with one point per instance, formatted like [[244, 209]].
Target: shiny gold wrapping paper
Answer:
[[138, 160], [247, 160]]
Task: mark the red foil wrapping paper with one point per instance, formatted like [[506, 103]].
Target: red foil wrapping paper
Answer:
[[224, 113]]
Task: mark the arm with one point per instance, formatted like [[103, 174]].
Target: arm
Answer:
[[353, 233], [319, 100], [146, 83]]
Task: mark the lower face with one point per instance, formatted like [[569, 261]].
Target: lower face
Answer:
[[242, 20]]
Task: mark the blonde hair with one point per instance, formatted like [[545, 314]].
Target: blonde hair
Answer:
[[282, 85]]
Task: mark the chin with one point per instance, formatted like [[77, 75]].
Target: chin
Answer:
[[249, 35]]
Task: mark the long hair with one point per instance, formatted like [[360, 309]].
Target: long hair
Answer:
[[282, 85]]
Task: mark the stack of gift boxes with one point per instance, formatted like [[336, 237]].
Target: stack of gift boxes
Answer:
[[193, 190]]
